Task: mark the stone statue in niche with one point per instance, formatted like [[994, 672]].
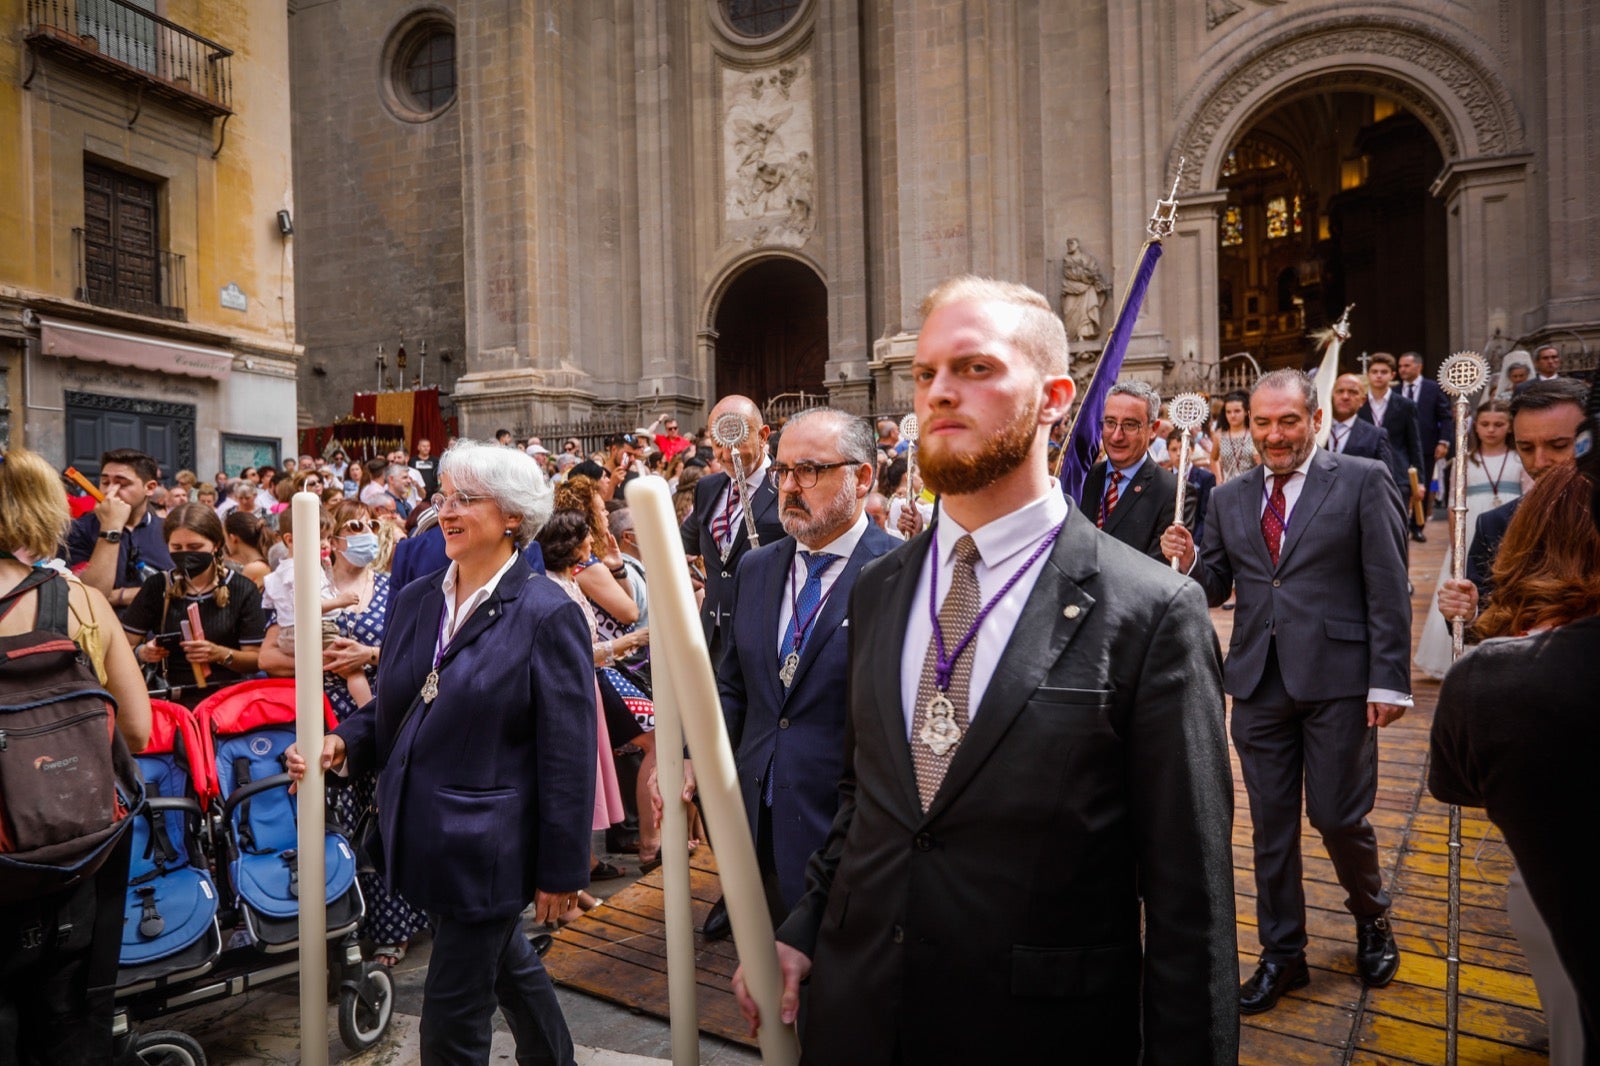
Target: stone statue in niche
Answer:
[[1084, 290]]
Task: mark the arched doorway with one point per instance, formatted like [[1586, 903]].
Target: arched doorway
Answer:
[[1328, 203], [772, 331]]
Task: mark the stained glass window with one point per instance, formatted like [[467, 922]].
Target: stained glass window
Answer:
[[1277, 217], [1232, 227], [1297, 221], [1230, 165]]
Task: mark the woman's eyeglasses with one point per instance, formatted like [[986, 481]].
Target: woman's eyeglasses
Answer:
[[456, 501], [361, 525]]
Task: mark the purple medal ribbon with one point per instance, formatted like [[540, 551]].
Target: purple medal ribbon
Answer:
[[801, 628], [945, 665], [1283, 519]]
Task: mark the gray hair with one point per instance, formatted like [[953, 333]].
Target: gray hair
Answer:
[[395, 470], [1142, 390], [620, 521], [508, 476], [1291, 381], [856, 440]]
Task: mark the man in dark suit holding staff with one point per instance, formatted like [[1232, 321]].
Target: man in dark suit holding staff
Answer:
[[1319, 658], [1035, 728], [1128, 494]]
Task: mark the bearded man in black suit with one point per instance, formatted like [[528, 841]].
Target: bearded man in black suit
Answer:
[[1037, 762]]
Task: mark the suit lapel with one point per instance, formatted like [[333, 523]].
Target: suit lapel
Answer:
[[429, 613], [900, 584], [1131, 495], [491, 610], [1249, 515], [1047, 624], [1319, 479], [782, 562], [833, 610]]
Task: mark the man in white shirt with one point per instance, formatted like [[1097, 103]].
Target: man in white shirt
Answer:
[[1019, 685], [1320, 659]]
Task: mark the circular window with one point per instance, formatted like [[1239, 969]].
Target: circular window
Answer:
[[421, 65], [759, 18]]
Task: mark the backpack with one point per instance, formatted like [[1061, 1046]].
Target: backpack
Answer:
[[67, 781]]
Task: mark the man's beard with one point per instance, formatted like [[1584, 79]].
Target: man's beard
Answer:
[[833, 517], [1300, 455], [961, 473]]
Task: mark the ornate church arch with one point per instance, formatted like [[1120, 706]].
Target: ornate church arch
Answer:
[[763, 326]]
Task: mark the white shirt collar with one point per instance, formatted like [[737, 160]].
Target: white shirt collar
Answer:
[[844, 545], [1006, 537], [754, 478], [454, 618]]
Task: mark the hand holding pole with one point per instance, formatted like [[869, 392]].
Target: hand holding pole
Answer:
[[1187, 410]]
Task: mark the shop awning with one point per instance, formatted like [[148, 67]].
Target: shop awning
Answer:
[[75, 340]]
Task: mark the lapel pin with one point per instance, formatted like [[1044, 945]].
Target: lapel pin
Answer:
[[1138, 488], [1071, 610]]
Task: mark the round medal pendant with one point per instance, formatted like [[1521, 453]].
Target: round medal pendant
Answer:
[[940, 732]]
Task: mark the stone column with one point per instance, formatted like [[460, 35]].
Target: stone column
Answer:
[[1184, 291], [1491, 248]]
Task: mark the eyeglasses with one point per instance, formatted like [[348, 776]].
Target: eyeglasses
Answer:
[[805, 474], [456, 501], [1128, 426], [361, 525]]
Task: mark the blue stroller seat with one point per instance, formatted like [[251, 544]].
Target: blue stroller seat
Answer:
[[252, 726], [169, 929]]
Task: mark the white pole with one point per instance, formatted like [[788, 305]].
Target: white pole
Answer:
[[682, 1007], [676, 634], [308, 735]]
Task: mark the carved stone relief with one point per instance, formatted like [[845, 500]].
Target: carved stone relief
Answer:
[[1495, 126], [769, 170], [1220, 11]]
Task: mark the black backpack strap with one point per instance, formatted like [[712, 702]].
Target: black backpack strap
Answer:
[[36, 578], [53, 605]]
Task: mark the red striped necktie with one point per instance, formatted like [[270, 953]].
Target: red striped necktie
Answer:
[[1108, 502]]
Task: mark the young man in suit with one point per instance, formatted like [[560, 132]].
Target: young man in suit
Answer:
[[1397, 417], [1320, 657], [1035, 753], [716, 530], [1436, 421], [1128, 494], [787, 651], [1546, 419]]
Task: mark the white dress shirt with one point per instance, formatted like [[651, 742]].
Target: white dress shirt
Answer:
[[1291, 496], [455, 617], [1378, 406], [844, 545], [1339, 434], [1004, 545]]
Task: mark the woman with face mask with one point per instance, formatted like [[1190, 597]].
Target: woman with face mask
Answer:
[[228, 604]]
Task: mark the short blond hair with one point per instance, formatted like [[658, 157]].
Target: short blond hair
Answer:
[[34, 516], [1039, 334]]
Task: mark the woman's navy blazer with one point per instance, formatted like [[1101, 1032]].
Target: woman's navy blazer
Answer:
[[488, 794]]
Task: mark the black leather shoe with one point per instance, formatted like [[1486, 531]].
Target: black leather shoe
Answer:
[[1377, 957], [1268, 984], [717, 926], [1419, 537]]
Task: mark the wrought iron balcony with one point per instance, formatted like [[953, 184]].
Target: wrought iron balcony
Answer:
[[142, 282], [154, 56]]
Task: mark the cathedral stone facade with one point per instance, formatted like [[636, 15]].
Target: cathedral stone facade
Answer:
[[630, 206]]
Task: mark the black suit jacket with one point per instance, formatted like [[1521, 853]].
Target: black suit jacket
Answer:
[[1144, 507], [698, 540], [1487, 533], [1336, 603], [1095, 773], [1436, 420], [1367, 441], [1405, 440], [799, 733]]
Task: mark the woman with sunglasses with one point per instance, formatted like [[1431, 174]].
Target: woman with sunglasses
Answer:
[[227, 603], [349, 677], [483, 735]]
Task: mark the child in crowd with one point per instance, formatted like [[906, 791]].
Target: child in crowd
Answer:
[[277, 592]]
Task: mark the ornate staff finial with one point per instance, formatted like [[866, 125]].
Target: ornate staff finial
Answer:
[[1165, 218], [1342, 327]]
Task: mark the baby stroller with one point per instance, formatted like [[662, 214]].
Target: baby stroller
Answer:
[[224, 795]]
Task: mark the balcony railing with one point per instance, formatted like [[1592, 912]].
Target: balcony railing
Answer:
[[141, 283], [155, 56]]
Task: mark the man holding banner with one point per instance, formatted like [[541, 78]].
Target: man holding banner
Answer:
[[1035, 725]]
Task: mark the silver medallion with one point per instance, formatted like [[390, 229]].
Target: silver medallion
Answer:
[[430, 687], [1496, 500], [791, 663], [939, 731]]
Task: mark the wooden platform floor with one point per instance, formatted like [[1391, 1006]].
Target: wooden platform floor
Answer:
[[618, 952]]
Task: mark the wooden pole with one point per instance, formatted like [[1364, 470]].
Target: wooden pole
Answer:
[[309, 797], [676, 634]]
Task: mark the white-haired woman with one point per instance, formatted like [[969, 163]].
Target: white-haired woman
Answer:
[[1515, 368], [483, 733]]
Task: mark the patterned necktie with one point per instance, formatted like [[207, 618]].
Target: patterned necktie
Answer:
[[1273, 516], [722, 525], [810, 595], [1108, 502], [956, 615]]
